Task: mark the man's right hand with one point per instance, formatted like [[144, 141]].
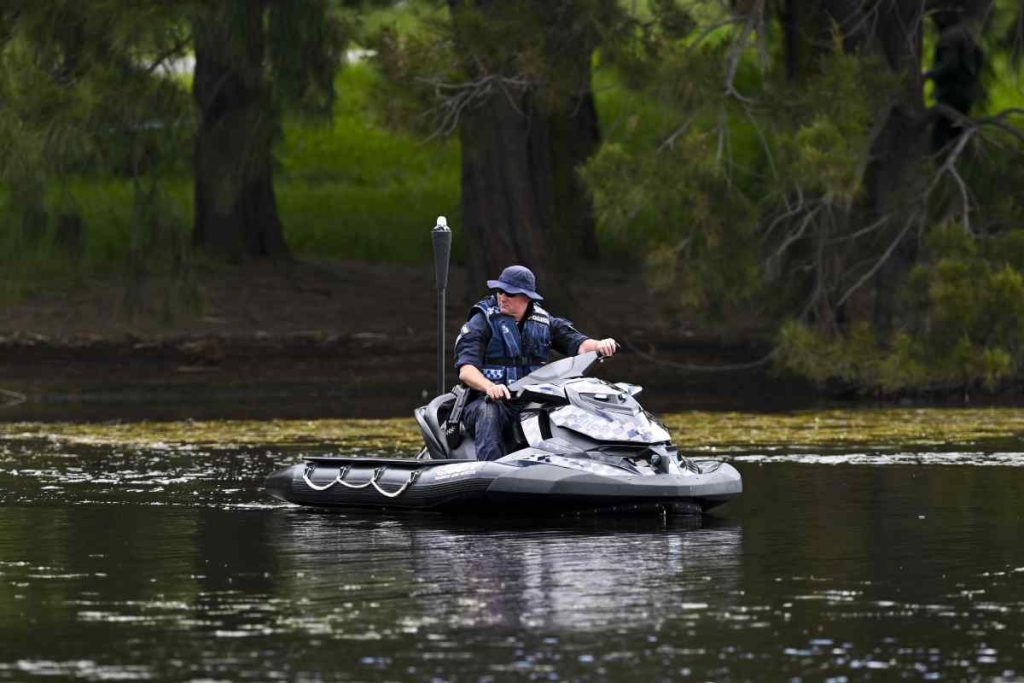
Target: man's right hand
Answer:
[[497, 392], [474, 379]]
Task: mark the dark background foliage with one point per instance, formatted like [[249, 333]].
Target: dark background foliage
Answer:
[[843, 180]]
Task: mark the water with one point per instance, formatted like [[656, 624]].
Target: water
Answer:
[[138, 560]]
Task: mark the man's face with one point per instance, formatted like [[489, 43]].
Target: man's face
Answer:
[[513, 304]]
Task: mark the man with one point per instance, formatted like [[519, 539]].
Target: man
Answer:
[[508, 335]]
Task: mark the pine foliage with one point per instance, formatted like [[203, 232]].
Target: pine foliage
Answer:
[[758, 185]]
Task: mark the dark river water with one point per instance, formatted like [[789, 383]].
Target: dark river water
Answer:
[[160, 562]]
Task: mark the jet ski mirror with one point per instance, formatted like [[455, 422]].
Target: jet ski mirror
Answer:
[[631, 389]]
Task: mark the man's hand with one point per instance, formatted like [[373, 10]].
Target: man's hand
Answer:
[[474, 379], [606, 347], [497, 392]]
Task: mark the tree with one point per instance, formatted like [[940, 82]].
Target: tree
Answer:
[[254, 58], [80, 90], [513, 80], [956, 68], [791, 177], [531, 124], [894, 180]]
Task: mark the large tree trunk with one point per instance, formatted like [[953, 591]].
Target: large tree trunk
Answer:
[[574, 131], [507, 202], [235, 207], [574, 137], [522, 145]]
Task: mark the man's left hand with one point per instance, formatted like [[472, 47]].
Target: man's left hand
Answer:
[[607, 347]]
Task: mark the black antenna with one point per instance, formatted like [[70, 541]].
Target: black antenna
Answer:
[[441, 235]]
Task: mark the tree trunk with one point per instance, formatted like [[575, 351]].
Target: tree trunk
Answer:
[[575, 136], [957, 64], [806, 27], [522, 145], [895, 177], [235, 207], [573, 124], [507, 203]]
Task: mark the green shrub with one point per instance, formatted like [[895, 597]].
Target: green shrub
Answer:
[[966, 329]]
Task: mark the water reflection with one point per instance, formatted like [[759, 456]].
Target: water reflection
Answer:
[[512, 576], [201, 592]]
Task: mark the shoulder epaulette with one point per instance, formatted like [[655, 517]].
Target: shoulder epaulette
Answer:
[[540, 315]]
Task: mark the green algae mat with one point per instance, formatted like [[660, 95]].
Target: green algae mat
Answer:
[[871, 428]]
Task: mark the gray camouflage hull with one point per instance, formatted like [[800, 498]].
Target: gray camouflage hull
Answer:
[[531, 488]]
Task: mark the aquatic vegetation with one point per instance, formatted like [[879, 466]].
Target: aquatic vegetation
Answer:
[[882, 427], [373, 435], [873, 428]]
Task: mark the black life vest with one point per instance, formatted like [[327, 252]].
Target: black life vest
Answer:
[[513, 353]]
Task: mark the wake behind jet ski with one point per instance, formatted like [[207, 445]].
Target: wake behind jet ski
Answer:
[[576, 442]]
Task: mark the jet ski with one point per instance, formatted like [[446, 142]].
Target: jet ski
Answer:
[[580, 444]]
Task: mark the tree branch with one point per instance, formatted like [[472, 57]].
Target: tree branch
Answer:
[[878, 264], [454, 98], [863, 231], [671, 139], [755, 18], [997, 120], [176, 49]]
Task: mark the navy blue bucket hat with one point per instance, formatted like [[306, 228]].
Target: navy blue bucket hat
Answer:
[[517, 280]]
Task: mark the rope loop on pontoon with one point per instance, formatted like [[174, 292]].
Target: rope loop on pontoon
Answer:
[[413, 476], [344, 471], [340, 479], [310, 468]]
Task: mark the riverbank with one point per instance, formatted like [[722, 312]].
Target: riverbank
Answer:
[[322, 339]]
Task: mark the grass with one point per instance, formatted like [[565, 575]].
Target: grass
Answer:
[[348, 189], [403, 17], [354, 190]]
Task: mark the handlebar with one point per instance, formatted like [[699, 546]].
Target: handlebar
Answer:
[[515, 395]]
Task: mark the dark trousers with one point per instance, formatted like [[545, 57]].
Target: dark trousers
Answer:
[[487, 422]]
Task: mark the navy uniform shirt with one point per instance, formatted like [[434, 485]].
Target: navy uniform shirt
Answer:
[[474, 335]]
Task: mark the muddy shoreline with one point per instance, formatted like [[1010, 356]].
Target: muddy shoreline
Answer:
[[333, 339], [310, 375]]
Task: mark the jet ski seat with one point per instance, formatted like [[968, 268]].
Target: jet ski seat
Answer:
[[431, 418]]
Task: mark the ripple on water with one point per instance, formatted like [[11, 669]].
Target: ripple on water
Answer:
[[877, 458], [45, 472], [82, 668]]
